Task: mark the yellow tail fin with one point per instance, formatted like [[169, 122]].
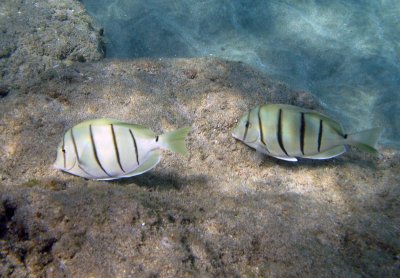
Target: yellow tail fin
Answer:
[[175, 140], [365, 140]]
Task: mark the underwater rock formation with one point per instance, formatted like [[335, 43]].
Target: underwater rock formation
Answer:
[[38, 35], [221, 211]]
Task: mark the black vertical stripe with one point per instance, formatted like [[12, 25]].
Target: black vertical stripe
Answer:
[[320, 135], [302, 132], [75, 148], [279, 132], [63, 152], [116, 147], [247, 126], [261, 129], [134, 144], [95, 151]]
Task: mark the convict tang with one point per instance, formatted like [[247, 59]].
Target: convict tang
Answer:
[[286, 132], [106, 149]]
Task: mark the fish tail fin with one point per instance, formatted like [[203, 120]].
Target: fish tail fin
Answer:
[[175, 140], [365, 140]]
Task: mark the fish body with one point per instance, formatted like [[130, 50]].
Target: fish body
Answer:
[[287, 132], [106, 149]]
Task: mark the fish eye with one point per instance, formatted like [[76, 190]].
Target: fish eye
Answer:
[[63, 150], [247, 124]]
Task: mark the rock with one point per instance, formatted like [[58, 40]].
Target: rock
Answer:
[[39, 35], [216, 212]]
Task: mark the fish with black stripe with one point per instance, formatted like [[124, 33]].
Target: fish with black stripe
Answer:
[[289, 132], [107, 149]]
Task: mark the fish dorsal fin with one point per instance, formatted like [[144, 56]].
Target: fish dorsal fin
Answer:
[[139, 129], [334, 124]]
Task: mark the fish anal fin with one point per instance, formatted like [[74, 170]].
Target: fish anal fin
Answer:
[[292, 159], [152, 160], [335, 151]]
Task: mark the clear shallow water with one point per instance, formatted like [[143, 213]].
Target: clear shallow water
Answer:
[[347, 53]]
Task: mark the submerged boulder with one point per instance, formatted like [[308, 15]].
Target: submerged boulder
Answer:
[[222, 210], [38, 35]]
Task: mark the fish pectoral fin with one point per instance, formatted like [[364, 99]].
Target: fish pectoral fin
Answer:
[[335, 151], [85, 155], [86, 165], [292, 159], [152, 160]]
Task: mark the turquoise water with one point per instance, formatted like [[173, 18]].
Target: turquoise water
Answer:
[[344, 52]]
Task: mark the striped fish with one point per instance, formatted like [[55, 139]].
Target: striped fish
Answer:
[[286, 132], [106, 149]]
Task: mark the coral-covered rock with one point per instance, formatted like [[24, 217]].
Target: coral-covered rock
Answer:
[[38, 35]]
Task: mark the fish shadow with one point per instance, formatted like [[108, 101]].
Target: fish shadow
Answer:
[[164, 180], [362, 160]]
